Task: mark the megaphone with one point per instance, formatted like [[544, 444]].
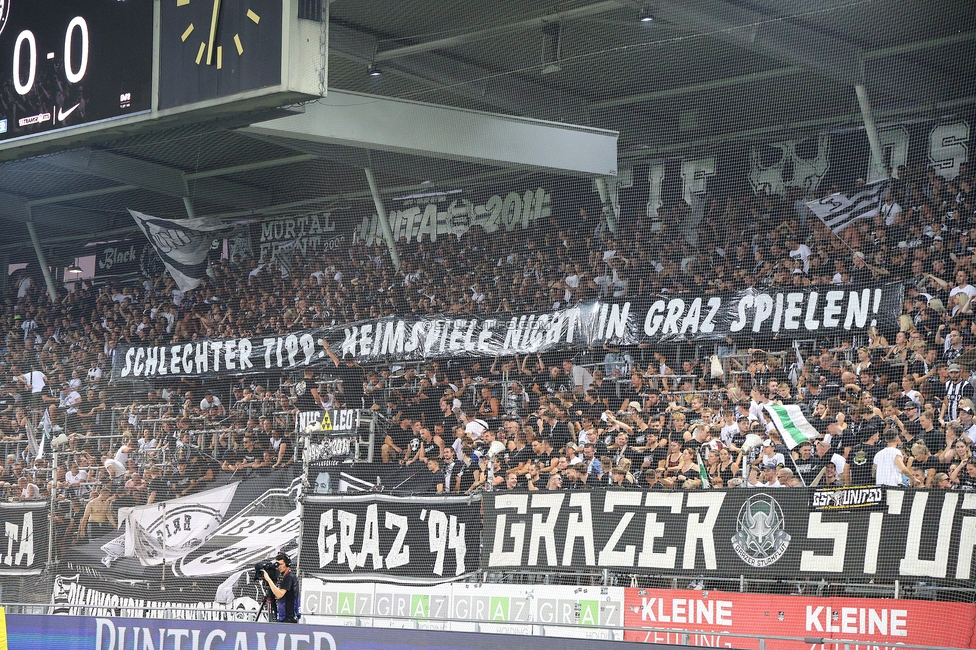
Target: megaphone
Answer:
[[752, 440], [496, 448], [59, 441]]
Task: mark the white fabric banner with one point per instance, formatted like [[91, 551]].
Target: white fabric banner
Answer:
[[182, 244], [170, 529]]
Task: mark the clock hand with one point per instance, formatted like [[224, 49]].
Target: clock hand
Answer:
[[213, 30]]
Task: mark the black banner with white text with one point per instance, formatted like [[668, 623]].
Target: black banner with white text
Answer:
[[917, 535], [766, 313], [25, 540], [398, 539]]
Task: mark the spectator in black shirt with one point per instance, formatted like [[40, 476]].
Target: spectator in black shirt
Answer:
[[807, 465], [861, 461]]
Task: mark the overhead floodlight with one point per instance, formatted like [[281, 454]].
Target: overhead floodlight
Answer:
[[373, 70], [551, 47], [646, 16], [74, 269]]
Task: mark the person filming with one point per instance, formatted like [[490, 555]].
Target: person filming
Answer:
[[285, 589]]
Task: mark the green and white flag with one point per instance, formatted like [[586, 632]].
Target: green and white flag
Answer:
[[791, 424]]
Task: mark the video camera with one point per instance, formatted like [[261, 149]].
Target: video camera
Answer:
[[271, 566]]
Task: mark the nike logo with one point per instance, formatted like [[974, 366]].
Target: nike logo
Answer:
[[62, 114]]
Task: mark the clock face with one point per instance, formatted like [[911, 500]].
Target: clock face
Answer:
[[217, 48]]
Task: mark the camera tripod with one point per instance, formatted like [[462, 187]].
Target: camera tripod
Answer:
[[268, 607]]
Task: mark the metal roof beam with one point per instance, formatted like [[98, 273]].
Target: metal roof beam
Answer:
[[500, 30], [123, 169], [429, 130], [14, 208], [506, 92], [790, 42]]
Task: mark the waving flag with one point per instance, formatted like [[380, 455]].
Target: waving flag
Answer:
[[791, 424], [838, 211]]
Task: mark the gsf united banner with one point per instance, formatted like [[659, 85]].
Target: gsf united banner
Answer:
[[23, 537], [766, 313], [919, 535], [405, 539]]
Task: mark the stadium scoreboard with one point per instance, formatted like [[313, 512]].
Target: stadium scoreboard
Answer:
[[72, 69]]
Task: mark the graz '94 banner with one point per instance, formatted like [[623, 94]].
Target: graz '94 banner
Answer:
[[393, 539], [766, 313], [918, 535]]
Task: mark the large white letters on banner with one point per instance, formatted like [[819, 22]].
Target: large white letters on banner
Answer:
[[949, 148], [430, 221], [790, 170]]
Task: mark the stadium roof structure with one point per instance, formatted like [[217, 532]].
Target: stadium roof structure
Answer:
[[672, 77]]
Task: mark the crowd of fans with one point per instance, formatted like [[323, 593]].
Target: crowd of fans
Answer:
[[900, 402]]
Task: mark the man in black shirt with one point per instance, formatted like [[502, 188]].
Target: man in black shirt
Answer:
[[861, 461], [284, 590], [353, 386], [807, 465]]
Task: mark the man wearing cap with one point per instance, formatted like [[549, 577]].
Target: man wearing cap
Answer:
[[860, 272], [957, 388], [966, 420], [767, 476], [770, 455], [211, 406]]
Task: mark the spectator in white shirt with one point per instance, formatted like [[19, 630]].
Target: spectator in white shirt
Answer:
[[889, 463]]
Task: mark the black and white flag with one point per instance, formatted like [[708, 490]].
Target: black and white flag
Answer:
[[286, 256], [182, 244], [838, 211]]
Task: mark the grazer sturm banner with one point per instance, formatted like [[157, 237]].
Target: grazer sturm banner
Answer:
[[24, 537], [430, 221], [397, 539], [707, 617], [919, 535], [765, 313]]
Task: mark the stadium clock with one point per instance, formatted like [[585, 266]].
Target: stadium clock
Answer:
[[212, 49], [65, 64]]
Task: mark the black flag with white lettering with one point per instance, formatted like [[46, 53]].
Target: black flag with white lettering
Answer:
[[391, 539]]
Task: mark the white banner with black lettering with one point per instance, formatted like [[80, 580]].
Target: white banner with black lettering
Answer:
[[183, 244], [763, 313], [397, 539]]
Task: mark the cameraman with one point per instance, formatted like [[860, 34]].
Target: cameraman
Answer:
[[285, 591]]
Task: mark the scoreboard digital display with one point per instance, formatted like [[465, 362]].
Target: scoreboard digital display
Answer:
[[67, 63]]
